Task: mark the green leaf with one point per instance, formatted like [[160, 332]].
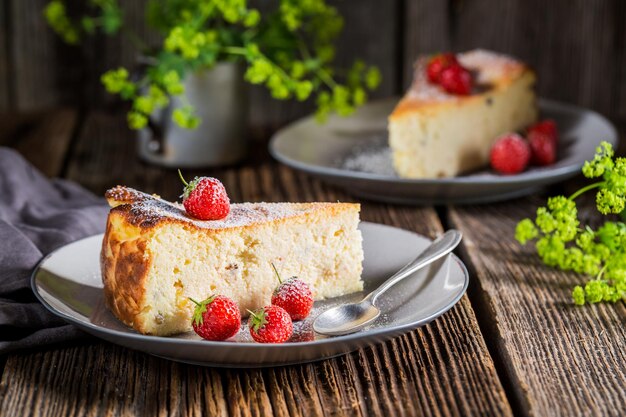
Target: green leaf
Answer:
[[88, 25], [289, 50], [137, 120], [111, 18], [185, 118]]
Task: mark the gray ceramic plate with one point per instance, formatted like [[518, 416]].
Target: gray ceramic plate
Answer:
[[353, 153], [68, 283]]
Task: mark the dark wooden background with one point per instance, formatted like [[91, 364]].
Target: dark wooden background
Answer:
[[514, 346], [578, 48]]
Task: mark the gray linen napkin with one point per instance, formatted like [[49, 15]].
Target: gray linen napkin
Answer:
[[37, 215]]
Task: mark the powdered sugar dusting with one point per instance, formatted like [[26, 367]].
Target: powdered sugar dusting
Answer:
[[374, 157], [294, 295], [422, 89], [147, 210], [240, 214], [489, 66]]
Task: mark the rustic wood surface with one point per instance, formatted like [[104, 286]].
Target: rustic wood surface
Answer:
[[443, 369], [519, 347], [514, 346], [559, 359]]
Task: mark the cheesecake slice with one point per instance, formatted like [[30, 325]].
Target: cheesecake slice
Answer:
[[433, 134], [154, 256]]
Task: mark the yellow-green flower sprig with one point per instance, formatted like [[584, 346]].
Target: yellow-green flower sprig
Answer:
[[601, 253], [107, 15], [158, 88], [289, 51]]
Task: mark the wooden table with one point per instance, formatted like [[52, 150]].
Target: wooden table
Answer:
[[514, 345]]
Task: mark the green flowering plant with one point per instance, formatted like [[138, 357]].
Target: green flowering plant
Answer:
[[562, 242], [290, 51]]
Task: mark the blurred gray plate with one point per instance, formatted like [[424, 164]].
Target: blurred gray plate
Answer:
[[353, 153], [68, 283]]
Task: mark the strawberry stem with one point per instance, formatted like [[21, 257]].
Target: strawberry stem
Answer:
[[194, 301], [180, 174], [258, 320], [280, 281]]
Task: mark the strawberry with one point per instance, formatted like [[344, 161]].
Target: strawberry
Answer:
[[510, 154], [271, 324], [294, 296], [216, 318], [543, 148], [437, 64], [205, 198], [456, 79], [545, 127]]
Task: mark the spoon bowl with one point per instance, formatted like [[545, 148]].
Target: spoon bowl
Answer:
[[346, 318], [351, 317]]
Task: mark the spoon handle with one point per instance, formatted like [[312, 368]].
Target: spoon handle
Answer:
[[440, 247]]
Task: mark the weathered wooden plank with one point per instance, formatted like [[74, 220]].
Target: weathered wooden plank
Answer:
[[508, 31], [442, 369], [48, 143], [45, 71], [43, 138], [427, 29], [13, 125], [102, 379], [548, 37], [5, 84], [560, 359], [371, 33], [620, 80], [568, 43], [102, 53]]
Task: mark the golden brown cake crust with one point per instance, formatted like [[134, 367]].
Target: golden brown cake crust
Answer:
[[124, 195], [146, 211], [124, 271]]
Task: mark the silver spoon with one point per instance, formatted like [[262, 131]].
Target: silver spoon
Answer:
[[348, 318]]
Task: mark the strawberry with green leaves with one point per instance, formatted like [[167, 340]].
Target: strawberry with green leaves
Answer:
[[205, 198], [216, 318], [294, 296], [271, 324]]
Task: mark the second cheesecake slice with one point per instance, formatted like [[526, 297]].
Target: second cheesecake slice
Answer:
[[434, 134]]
